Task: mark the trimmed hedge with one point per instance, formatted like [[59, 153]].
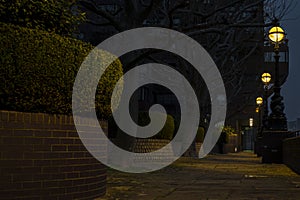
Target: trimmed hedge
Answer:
[[166, 132], [143, 119], [229, 132], [200, 135], [38, 70]]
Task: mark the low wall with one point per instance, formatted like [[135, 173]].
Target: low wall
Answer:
[[148, 145], [151, 145], [291, 153], [224, 148], [42, 157], [232, 144]]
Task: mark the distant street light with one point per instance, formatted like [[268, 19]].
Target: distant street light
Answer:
[[259, 101], [257, 110], [251, 122], [266, 79]]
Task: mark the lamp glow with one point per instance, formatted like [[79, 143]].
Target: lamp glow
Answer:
[[251, 120], [257, 110], [259, 101], [276, 34], [266, 78]]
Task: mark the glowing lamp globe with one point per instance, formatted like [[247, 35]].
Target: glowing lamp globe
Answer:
[[266, 78], [276, 34], [259, 101]]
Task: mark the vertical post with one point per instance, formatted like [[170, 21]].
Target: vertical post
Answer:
[[266, 108], [277, 57], [259, 119], [277, 118]]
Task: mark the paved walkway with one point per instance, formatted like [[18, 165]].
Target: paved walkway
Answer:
[[232, 176]]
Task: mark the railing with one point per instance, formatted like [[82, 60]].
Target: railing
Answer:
[[295, 133]]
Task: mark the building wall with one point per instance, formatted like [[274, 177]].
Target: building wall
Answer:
[[41, 156]]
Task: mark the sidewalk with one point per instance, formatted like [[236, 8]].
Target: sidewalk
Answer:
[[232, 176]]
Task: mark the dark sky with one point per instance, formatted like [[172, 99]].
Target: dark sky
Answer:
[[291, 89]]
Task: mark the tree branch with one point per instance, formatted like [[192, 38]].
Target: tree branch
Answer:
[[93, 8]]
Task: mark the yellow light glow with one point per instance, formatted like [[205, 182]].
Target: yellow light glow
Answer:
[[266, 78], [251, 120], [257, 110], [259, 101], [276, 34]]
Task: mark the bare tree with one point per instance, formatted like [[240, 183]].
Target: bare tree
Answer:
[[278, 9], [231, 31]]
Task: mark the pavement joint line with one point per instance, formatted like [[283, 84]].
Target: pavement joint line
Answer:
[[169, 193]]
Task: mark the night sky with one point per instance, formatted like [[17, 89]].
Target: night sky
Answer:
[[291, 89]]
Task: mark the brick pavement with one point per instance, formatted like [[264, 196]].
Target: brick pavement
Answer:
[[231, 176]]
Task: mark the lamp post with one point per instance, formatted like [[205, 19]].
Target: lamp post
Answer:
[[277, 119], [259, 103], [276, 124], [266, 79]]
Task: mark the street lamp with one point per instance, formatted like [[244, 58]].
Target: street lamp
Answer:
[[257, 110], [266, 79], [277, 119], [276, 35], [251, 122], [259, 103]]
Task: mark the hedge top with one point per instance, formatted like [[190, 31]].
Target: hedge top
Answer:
[[38, 70]]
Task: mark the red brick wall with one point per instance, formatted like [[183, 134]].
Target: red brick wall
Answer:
[[291, 153], [42, 157]]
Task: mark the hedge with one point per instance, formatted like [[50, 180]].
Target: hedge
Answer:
[[229, 132], [38, 70], [200, 135], [166, 132]]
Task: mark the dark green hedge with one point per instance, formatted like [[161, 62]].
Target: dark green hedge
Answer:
[[166, 133], [200, 135], [38, 70], [168, 130]]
